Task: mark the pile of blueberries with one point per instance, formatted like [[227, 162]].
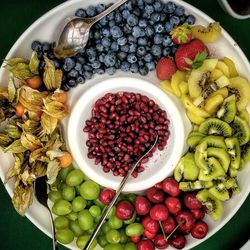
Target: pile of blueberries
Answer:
[[131, 38]]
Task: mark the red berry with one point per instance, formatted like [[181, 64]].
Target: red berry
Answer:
[[142, 205], [158, 185], [165, 68], [178, 241], [159, 212], [181, 34], [171, 187], [191, 201], [124, 210], [198, 213], [160, 242], [150, 225], [169, 224], [106, 196], [135, 239], [173, 204], [155, 195], [145, 245], [148, 234], [200, 230], [186, 221]]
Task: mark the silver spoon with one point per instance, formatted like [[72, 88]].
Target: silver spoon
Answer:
[[41, 188], [118, 191], [75, 33]]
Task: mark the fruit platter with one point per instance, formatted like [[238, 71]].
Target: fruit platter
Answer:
[[153, 72]]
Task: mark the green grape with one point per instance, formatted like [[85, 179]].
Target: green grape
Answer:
[[114, 222], [98, 203], [113, 236], [123, 236], [68, 193], [102, 241], [112, 212], [134, 229], [78, 204], [62, 207], [95, 211], [61, 222], [89, 190], [75, 228], [130, 246], [113, 247], [55, 196], [72, 216], [64, 172], [82, 241], [85, 219], [75, 177], [65, 236], [105, 227], [132, 220]]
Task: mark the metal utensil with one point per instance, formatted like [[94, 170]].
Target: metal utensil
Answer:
[[41, 194], [118, 191], [75, 33]]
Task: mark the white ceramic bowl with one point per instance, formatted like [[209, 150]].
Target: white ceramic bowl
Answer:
[[159, 166]]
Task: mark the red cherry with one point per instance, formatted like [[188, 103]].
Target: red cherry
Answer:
[[135, 239], [148, 234], [171, 187], [106, 196], [191, 201], [178, 241], [124, 210], [142, 205], [186, 221], [150, 225], [145, 245], [173, 204], [158, 185], [160, 242], [169, 224], [155, 195], [200, 230], [159, 212], [198, 213]]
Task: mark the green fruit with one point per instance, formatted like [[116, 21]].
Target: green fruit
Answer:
[[219, 191], [102, 241], [78, 204], [113, 247], [241, 130], [55, 196], [234, 151], [221, 155], [115, 223], [65, 236], [98, 203], [187, 186], [214, 141], [111, 212], [200, 155], [85, 219], [228, 109], [134, 229], [131, 197], [82, 241], [74, 178], [130, 246], [105, 227], [95, 211], [179, 170], [132, 220], [213, 205], [72, 216], [113, 236], [61, 222], [64, 172], [89, 190], [123, 236], [75, 228], [214, 126], [68, 193], [62, 207], [194, 138], [245, 152], [191, 171]]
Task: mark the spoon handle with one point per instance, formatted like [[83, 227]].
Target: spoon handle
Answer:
[[55, 244], [118, 191], [107, 11]]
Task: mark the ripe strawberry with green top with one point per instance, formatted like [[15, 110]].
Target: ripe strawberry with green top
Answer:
[[181, 34], [165, 68], [191, 55]]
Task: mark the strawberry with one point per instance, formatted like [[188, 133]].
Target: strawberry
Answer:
[[165, 68], [191, 55], [181, 34]]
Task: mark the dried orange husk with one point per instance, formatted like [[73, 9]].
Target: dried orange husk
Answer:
[[39, 168], [34, 63], [30, 125], [11, 89], [27, 176], [48, 123], [20, 70], [30, 141], [12, 129], [31, 99], [54, 108], [38, 155], [52, 171], [15, 147], [2, 115], [5, 140], [3, 93], [12, 62]]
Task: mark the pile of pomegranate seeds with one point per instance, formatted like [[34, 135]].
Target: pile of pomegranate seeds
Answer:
[[122, 128]]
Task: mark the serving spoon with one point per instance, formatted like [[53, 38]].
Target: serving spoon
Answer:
[[75, 33], [118, 191]]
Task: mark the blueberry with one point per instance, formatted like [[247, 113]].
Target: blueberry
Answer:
[[149, 9], [36, 46], [125, 48], [88, 74], [150, 66], [81, 13], [149, 31], [99, 71], [132, 39], [134, 68], [169, 27], [91, 52], [99, 47], [114, 46], [132, 20], [174, 20], [140, 3], [190, 19], [128, 6], [104, 21], [96, 64], [57, 63], [87, 67], [110, 71], [65, 87], [106, 42], [143, 70], [155, 17], [80, 80], [159, 28], [148, 57], [72, 83], [125, 13], [132, 48], [158, 39], [80, 59], [138, 32], [179, 10], [91, 11], [41, 65], [78, 66], [100, 8], [111, 16], [106, 32], [166, 41], [69, 64], [118, 64], [158, 6], [131, 58], [125, 66], [169, 8], [143, 41], [127, 29], [121, 55], [156, 50], [116, 32], [112, 23], [122, 41], [141, 51], [118, 17], [173, 50], [110, 59], [101, 57], [46, 47], [142, 23], [166, 51], [149, 1], [73, 73], [97, 35]]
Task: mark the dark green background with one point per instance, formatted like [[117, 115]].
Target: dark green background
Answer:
[[19, 233]]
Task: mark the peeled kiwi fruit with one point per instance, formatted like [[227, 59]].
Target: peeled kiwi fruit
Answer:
[[200, 155], [179, 170], [214, 141], [214, 126], [191, 171], [219, 191], [194, 138], [213, 204], [234, 151], [241, 130], [221, 155], [228, 109], [245, 152], [194, 185]]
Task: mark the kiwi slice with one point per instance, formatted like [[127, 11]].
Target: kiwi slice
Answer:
[[214, 126], [191, 171], [213, 171], [228, 109], [245, 152], [233, 172], [241, 130], [234, 151], [179, 169], [194, 185], [221, 155], [220, 192], [200, 155], [213, 204], [194, 140], [214, 141]]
